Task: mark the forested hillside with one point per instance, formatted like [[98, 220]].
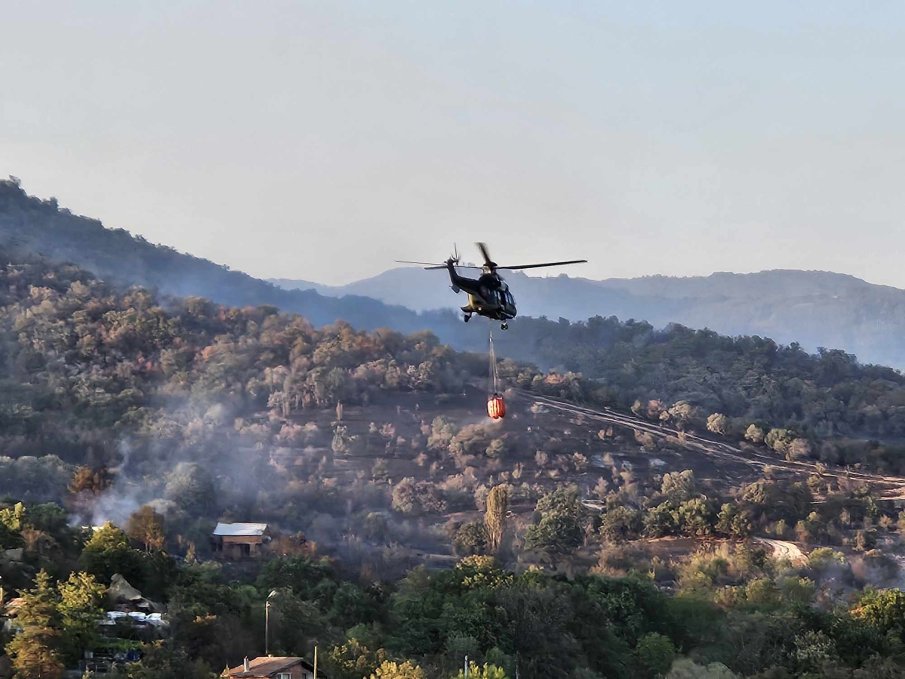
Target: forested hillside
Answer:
[[366, 459], [30, 225], [813, 308], [850, 413], [85, 367]]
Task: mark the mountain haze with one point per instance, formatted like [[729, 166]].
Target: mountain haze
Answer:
[[814, 308], [35, 226]]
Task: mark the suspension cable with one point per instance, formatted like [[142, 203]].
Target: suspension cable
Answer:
[[494, 371]]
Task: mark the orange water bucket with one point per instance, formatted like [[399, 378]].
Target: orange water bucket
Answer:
[[496, 407]]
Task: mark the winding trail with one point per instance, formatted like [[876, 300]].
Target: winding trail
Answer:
[[885, 487], [784, 550]]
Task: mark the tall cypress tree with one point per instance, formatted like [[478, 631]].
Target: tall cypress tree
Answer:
[[35, 650], [495, 516]]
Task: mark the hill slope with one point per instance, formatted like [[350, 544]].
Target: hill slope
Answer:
[[116, 406], [813, 308], [620, 356], [33, 226]]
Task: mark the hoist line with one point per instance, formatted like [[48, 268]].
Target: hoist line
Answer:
[[494, 372]]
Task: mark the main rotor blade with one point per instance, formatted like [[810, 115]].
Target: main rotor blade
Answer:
[[458, 266], [483, 248], [537, 266], [406, 261]]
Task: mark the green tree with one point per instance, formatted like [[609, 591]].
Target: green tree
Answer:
[[108, 552], [160, 660], [660, 520], [390, 669], [559, 531], [350, 606], [682, 413], [538, 613], [695, 517], [471, 538], [779, 439], [718, 424], [754, 433], [11, 526], [826, 558], [655, 652], [814, 650], [191, 487], [353, 660], [80, 607], [417, 497], [12, 518], [620, 524], [883, 609], [485, 671], [678, 487], [798, 448], [762, 592], [301, 574], [294, 623], [733, 521], [35, 650]]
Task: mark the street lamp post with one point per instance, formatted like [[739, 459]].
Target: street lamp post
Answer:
[[270, 596]]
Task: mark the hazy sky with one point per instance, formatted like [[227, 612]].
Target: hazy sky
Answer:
[[323, 140]]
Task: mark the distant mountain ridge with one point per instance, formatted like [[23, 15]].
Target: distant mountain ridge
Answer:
[[813, 308], [32, 226], [41, 227]]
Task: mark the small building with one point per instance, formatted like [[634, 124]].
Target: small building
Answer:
[[270, 667], [239, 540]]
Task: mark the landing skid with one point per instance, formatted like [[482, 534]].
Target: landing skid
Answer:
[[466, 316]]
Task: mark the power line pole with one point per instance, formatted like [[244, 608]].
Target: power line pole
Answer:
[[270, 596]]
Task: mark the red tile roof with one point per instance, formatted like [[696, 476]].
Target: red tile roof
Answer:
[[265, 666]]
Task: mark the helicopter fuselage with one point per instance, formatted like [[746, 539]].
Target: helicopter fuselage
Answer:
[[487, 296]]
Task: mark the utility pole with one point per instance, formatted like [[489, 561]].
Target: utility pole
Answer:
[[270, 596], [315, 661]]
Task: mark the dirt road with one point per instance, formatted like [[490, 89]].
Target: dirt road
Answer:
[[784, 550], [886, 487]]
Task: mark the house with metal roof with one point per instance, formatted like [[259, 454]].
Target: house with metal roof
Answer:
[[240, 540]]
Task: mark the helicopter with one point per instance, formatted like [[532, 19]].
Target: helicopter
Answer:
[[489, 294]]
